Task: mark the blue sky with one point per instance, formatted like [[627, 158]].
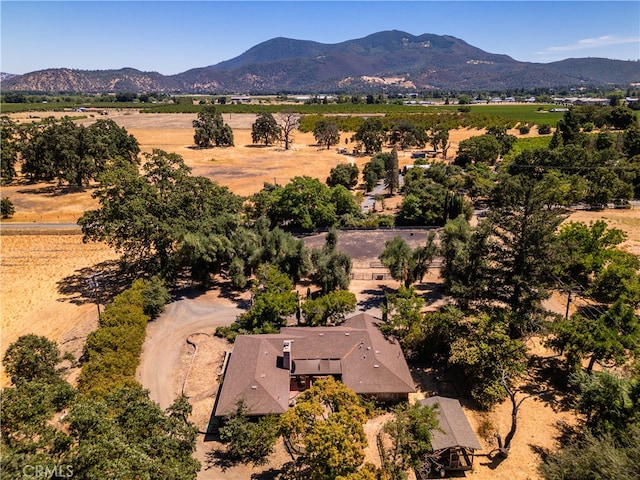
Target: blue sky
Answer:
[[173, 36]]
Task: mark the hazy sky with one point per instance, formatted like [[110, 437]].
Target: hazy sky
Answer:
[[172, 36]]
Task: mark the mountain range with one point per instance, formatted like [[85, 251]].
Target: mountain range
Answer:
[[390, 61]]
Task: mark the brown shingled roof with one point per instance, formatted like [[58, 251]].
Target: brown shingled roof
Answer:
[[456, 430], [368, 362]]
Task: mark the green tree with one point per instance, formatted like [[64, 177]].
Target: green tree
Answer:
[[7, 209], [332, 267], [210, 129], [326, 133], [156, 296], [392, 177], [265, 129], [407, 265], [28, 433], [596, 456], [481, 149], [619, 279], [439, 139], [329, 309], [249, 441], [73, 153], [485, 354], [606, 401], [374, 170], [631, 142], [328, 421], [522, 254], [9, 148], [465, 269], [344, 174], [126, 434], [304, 202], [622, 118], [344, 202], [145, 215], [275, 247], [506, 140], [479, 180], [406, 134], [612, 337], [568, 128], [585, 250], [371, 135], [403, 311], [272, 300], [30, 358], [410, 433]]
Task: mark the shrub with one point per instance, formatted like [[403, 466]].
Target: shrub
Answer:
[[544, 129], [112, 352]]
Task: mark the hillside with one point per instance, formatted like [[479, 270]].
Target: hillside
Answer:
[[390, 60]]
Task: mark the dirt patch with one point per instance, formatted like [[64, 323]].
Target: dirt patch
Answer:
[[34, 269]]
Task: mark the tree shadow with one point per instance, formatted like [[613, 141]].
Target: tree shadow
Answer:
[[566, 434], [270, 474], [221, 459], [229, 292], [494, 460], [186, 288], [547, 381], [433, 291], [96, 284], [375, 298], [55, 190]]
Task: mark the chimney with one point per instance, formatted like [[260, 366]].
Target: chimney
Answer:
[[286, 355]]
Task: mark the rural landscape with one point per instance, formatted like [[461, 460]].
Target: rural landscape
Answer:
[[361, 285]]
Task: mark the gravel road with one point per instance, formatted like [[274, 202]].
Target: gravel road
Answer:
[[166, 336]]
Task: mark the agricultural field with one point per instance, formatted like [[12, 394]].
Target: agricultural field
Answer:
[[42, 275]]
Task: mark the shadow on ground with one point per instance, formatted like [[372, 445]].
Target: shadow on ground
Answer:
[[97, 284]]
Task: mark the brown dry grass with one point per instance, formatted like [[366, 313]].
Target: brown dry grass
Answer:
[[33, 265]]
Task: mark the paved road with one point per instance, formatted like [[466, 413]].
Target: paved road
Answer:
[[27, 228], [369, 201]]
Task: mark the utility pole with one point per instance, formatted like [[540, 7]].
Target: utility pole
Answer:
[[93, 282], [566, 313]]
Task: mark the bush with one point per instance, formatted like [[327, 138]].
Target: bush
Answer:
[[155, 296], [544, 129], [249, 441], [112, 352], [524, 129]]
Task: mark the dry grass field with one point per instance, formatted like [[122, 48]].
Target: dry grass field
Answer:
[[42, 292]]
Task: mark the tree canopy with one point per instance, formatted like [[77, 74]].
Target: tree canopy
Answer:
[[326, 133], [328, 421], [68, 152], [147, 215], [265, 129]]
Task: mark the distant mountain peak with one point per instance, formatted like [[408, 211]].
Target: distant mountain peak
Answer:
[[391, 59]]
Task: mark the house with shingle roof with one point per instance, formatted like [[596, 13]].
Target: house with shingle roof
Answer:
[[268, 371]]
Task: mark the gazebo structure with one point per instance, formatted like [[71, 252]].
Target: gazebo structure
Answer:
[[454, 444]]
